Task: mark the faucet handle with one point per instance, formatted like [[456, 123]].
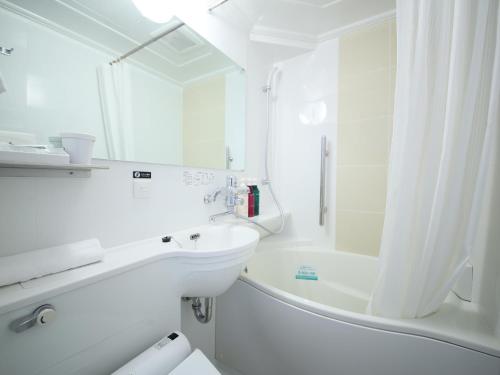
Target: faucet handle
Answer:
[[210, 197], [231, 181]]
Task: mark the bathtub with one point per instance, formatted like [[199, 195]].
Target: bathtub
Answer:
[[278, 319]]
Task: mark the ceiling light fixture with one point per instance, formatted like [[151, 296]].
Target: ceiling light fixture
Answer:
[[159, 11]]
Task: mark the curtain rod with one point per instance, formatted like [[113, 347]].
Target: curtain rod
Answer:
[[141, 46], [217, 5], [159, 36]]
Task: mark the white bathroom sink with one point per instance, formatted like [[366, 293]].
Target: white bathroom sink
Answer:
[[215, 240], [211, 257]]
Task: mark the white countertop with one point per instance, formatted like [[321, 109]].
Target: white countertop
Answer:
[[116, 260]]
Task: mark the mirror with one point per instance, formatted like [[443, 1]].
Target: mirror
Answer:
[[178, 101]]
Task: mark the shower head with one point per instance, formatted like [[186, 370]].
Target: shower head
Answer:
[[271, 78], [272, 73]]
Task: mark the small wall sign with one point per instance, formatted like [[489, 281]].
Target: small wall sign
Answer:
[[198, 178], [141, 174]]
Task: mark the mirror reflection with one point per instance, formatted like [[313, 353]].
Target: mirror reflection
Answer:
[[176, 99]]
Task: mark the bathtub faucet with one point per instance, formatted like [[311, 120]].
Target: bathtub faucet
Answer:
[[231, 194]]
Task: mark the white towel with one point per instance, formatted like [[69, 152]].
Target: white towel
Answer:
[[37, 263]]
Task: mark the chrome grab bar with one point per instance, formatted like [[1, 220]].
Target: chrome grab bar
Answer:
[[322, 181]]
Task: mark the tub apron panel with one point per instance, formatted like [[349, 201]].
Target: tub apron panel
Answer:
[[258, 334]]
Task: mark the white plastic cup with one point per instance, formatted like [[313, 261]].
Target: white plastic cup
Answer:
[[79, 147]]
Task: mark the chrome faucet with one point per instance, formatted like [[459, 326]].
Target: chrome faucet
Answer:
[[230, 193]]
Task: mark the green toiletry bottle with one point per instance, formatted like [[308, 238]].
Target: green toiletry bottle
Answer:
[[256, 194]]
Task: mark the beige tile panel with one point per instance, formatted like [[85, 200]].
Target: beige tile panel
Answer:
[[361, 188], [366, 49], [205, 154], [370, 80], [359, 232], [360, 105], [364, 142], [366, 104], [206, 93], [204, 123]]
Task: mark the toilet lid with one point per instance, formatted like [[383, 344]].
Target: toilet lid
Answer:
[[196, 363]]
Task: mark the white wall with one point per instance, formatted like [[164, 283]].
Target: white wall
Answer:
[[306, 109], [43, 212]]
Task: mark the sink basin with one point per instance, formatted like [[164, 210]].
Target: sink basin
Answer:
[[210, 258], [215, 240]]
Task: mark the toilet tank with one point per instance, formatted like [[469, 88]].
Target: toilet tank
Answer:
[[99, 325]]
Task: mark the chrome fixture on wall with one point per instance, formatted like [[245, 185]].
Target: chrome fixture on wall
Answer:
[[230, 192], [322, 182], [6, 51]]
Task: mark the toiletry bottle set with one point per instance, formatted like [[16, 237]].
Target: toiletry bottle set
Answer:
[[251, 199]]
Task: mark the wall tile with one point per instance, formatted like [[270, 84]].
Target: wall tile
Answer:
[[359, 232], [362, 104], [203, 123], [369, 80], [364, 142], [361, 188], [366, 49], [366, 105]]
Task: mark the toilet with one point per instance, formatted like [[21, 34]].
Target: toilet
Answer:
[[196, 363], [171, 355]]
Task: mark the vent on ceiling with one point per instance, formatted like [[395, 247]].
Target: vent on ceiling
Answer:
[[179, 41]]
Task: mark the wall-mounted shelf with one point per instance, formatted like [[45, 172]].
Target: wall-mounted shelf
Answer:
[[47, 170]]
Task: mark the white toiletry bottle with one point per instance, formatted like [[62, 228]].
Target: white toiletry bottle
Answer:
[[242, 209]]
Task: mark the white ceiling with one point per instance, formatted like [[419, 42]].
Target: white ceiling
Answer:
[[304, 23], [117, 26]]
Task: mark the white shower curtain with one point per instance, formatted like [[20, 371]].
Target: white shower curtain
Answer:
[[115, 95], [446, 108]]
